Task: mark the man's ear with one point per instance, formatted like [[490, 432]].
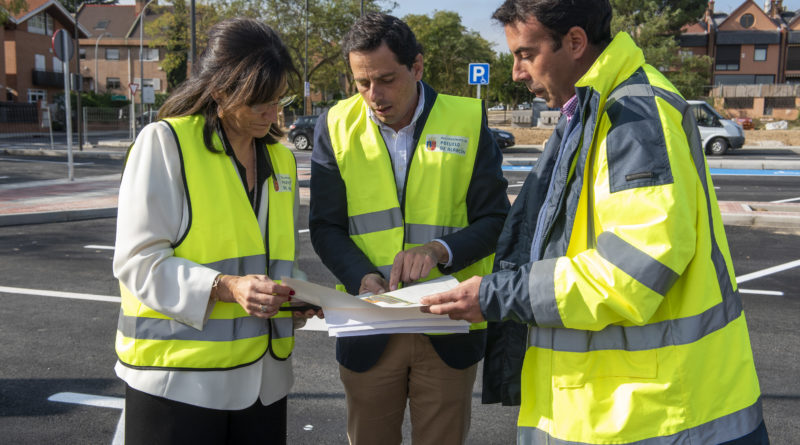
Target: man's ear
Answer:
[[418, 67], [576, 41]]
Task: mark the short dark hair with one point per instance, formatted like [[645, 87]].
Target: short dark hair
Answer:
[[593, 16], [244, 63], [375, 28]]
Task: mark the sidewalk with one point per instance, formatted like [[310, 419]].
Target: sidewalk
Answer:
[[96, 197]]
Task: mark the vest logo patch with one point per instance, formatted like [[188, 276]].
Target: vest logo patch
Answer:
[[282, 183], [447, 144]]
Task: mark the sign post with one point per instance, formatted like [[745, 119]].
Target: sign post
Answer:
[[63, 48], [133, 87], [478, 75]]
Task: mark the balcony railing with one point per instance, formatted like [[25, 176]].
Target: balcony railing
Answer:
[[48, 79]]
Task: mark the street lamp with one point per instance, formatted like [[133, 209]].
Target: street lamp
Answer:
[[96, 74], [141, 61]]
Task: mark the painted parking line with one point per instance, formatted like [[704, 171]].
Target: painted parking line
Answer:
[[761, 292], [58, 294], [786, 200], [88, 399], [98, 247], [100, 402], [768, 271]]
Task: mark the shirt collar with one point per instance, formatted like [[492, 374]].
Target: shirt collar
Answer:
[[570, 107], [417, 111]]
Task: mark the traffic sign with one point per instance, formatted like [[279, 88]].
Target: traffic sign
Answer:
[[478, 74], [59, 37], [133, 86]]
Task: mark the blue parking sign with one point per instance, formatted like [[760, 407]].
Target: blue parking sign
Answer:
[[478, 74]]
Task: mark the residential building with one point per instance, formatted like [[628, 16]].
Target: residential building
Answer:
[[751, 46], [111, 59], [31, 72]]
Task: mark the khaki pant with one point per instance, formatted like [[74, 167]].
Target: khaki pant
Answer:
[[439, 397]]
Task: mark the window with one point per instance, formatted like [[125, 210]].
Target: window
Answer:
[[112, 53], [113, 83], [760, 53], [150, 54], [58, 67], [36, 95], [728, 58], [39, 62], [761, 79], [739, 102], [41, 23], [793, 58], [82, 53], [779, 102], [102, 24], [747, 20], [704, 117]]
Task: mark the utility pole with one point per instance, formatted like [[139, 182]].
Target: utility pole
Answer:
[[78, 78], [306, 86]]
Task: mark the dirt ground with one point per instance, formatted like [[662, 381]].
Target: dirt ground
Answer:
[[536, 136]]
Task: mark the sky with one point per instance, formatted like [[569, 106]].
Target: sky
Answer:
[[476, 14]]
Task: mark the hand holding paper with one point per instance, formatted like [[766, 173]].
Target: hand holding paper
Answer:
[[460, 303]]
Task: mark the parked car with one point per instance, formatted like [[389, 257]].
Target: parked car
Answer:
[[301, 132], [503, 138], [498, 107], [524, 106], [717, 133]]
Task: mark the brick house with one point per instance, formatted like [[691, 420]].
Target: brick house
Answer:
[[110, 56], [753, 50], [31, 72]]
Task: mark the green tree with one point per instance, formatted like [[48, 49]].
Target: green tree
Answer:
[[654, 26], [171, 31], [9, 7], [502, 87], [449, 49]]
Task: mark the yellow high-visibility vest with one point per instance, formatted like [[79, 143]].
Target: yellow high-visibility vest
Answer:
[[223, 234], [436, 184]]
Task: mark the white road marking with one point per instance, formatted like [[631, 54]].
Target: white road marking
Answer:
[[302, 231], [4, 177], [98, 247], [88, 399], [768, 271], [58, 294], [515, 185], [98, 401], [786, 200], [761, 292]]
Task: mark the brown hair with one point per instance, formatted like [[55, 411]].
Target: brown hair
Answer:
[[245, 63]]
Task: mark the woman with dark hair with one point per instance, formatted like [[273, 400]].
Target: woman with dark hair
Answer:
[[206, 228]]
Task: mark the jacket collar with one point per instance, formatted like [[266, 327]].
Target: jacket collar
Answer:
[[618, 61]]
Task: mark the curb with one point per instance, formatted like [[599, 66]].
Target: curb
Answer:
[[63, 153], [760, 214], [19, 219]]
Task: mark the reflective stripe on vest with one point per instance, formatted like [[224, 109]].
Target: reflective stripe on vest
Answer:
[[230, 338], [686, 379], [436, 185]]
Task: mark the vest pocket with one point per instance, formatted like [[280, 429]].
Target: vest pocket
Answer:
[[575, 369]]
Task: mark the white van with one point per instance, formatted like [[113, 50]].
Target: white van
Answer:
[[717, 133]]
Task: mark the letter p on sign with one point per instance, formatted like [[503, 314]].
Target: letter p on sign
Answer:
[[478, 74]]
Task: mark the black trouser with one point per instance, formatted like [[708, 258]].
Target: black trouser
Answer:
[[757, 437], [151, 420]]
